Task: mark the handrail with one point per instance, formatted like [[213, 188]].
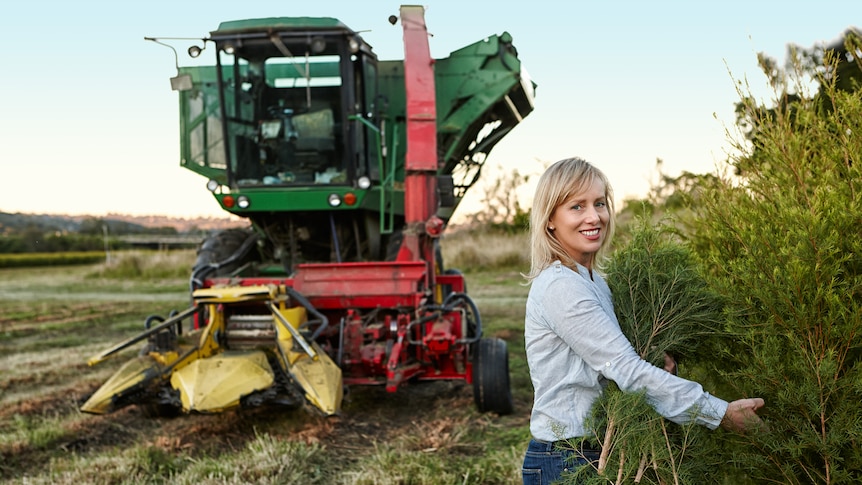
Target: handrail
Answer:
[[387, 180]]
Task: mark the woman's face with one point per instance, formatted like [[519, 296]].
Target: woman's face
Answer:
[[580, 223]]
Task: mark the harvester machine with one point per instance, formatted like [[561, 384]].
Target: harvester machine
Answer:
[[348, 169]]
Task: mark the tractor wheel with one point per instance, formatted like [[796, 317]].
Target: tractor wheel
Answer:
[[491, 389], [219, 247], [157, 410], [219, 256], [447, 290]]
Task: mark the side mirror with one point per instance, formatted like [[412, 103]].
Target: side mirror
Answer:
[[181, 82]]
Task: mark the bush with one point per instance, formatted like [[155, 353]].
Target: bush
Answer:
[[782, 244]]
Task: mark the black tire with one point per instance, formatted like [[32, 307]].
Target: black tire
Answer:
[[447, 290], [491, 389], [220, 246], [157, 410], [393, 245]]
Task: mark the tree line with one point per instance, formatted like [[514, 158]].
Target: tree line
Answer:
[[48, 234]]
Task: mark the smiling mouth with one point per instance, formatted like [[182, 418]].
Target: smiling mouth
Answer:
[[591, 232]]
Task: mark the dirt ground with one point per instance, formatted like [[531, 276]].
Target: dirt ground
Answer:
[[433, 414]]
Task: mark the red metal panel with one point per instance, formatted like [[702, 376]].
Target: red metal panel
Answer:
[[336, 286], [454, 281], [385, 301], [420, 163], [420, 180], [353, 280], [419, 85]]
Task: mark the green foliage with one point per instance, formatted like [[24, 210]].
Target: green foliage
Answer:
[[49, 259], [640, 446], [27, 233], [782, 244], [663, 305], [35, 241], [835, 68], [661, 300]]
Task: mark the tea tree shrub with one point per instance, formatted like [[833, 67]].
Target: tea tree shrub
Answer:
[[663, 304], [782, 243]]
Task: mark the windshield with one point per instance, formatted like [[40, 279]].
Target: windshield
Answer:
[[284, 115]]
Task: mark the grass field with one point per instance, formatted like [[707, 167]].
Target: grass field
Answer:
[[53, 319]]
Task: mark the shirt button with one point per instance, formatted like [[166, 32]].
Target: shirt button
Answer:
[[607, 364]]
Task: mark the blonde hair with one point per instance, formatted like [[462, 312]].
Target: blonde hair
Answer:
[[560, 181]]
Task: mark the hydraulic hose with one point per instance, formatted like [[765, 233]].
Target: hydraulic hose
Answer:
[[324, 322], [450, 305], [454, 297], [199, 274]]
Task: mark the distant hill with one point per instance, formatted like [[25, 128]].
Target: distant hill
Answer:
[[11, 223], [182, 224]]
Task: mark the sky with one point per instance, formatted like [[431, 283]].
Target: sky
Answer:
[[89, 124]]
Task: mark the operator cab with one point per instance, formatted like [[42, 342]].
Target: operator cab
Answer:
[[290, 90]]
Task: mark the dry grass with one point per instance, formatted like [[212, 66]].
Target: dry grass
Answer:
[[148, 264], [484, 250]]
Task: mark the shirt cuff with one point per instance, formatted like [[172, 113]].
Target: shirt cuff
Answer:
[[711, 411]]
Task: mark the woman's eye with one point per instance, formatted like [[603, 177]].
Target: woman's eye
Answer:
[[576, 207]]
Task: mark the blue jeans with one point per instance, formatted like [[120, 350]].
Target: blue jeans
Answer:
[[546, 462]]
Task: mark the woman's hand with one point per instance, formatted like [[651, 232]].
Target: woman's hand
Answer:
[[670, 363], [741, 415]]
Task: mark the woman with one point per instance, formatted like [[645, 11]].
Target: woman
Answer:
[[573, 341]]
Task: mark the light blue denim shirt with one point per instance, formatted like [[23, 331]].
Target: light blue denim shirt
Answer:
[[574, 345]]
